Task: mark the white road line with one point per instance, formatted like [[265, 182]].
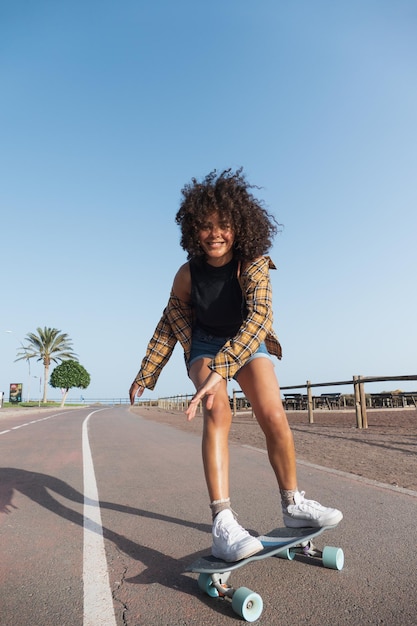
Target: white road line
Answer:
[[41, 419], [98, 601]]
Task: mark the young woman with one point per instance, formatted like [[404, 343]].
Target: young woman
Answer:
[[220, 310]]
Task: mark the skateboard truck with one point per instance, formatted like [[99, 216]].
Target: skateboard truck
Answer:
[[245, 602]]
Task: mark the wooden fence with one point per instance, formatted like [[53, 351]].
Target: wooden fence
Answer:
[[359, 400]]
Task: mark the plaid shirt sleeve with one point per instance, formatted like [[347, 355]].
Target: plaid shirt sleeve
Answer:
[[256, 328], [174, 325]]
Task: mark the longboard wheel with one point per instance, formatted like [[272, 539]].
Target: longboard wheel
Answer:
[[286, 554], [333, 558], [206, 584], [247, 604]]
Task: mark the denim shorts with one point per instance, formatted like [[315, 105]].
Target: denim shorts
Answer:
[[205, 345]]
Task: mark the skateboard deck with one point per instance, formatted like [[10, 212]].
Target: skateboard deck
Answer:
[[282, 542]]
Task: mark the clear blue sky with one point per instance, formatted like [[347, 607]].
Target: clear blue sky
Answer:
[[108, 108]]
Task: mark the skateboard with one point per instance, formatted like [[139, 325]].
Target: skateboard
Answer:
[[285, 543]]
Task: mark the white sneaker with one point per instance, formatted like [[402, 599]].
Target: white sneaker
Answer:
[[308, 513], [231, 542]]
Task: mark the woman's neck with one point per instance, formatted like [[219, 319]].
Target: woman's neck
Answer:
[[220, 261]]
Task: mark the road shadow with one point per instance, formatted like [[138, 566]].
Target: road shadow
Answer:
[[160, 568]]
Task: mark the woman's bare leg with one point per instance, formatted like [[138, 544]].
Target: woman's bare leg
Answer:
[[216, 429], [231, 542], [260, 386]]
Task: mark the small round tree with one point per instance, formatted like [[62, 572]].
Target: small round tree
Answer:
[[68, 375]]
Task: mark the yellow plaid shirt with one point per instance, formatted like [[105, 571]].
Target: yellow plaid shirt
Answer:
[[177, 319]]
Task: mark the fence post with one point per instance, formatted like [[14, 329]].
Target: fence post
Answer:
[[357, 402], [310, 403], [363, 403], [234, 402]]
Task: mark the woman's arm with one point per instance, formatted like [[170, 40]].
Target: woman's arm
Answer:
[[182, 284], [164, 339]]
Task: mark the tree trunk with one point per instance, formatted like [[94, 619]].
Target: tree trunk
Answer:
[[64, 397], [45, 383]]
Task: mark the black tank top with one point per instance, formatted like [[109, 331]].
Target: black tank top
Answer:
[[217, 297]]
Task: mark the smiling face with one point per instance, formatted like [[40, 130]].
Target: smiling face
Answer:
[[216, 240]]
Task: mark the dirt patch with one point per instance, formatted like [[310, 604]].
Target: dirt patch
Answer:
[[386, 451]]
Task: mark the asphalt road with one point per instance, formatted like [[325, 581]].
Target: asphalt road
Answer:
[[68, 561]]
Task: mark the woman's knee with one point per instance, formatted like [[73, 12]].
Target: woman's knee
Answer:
[[273, 422], [219, 415]]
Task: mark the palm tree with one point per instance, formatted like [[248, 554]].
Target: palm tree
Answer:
[[49, 344]]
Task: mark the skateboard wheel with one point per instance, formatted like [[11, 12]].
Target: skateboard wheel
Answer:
[[247, 604], [333, 558], [206, 584], [286, 554]]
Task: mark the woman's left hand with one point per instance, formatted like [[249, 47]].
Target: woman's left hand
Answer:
[[208, 389]]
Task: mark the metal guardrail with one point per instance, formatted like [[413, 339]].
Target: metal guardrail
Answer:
[[81, 401]]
